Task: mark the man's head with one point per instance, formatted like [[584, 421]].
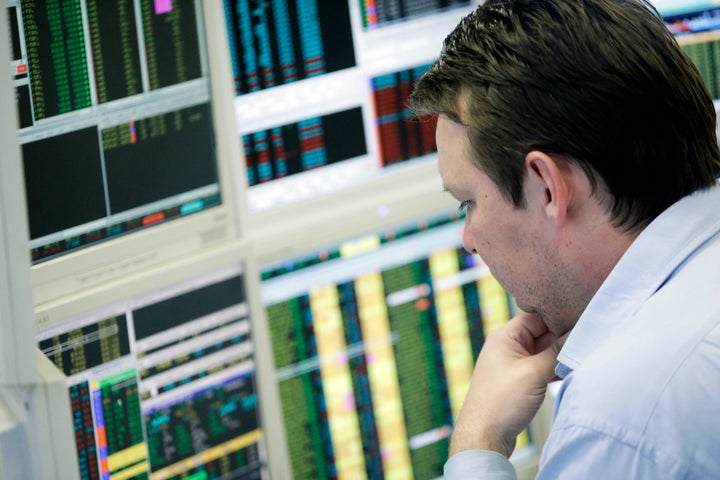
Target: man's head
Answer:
[[599, 83], [566, 126]]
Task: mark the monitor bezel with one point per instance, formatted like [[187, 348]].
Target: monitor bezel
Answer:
[[152, 247]]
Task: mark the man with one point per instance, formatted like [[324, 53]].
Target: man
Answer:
[[581, 143]]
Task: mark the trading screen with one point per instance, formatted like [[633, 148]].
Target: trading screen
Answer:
[[374, 342], [696, 26], [162, 384], [376, 13], [322, 88], [115, 116]]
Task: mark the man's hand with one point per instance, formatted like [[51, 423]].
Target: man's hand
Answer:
[[508, 385]]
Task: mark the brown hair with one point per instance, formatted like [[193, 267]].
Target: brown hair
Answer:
[[599, 82]]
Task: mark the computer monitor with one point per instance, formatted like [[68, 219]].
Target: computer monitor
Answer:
[[696, 26], [374, 341], [673, 7], [127, 139], [321, 90], [162, 372]]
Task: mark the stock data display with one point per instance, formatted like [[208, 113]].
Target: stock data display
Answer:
[[698, 32], [374, 343], [376, 13], [339, 136], [341, 71], [305, 145], [56, 56], [162, 386], [115, 46], [116, 125], [65, 75], [275, 42], [402, 136]]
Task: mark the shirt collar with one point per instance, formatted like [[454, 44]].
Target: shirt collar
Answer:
[[651, 259]]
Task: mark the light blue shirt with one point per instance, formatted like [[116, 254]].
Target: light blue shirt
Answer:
[[640, 397]]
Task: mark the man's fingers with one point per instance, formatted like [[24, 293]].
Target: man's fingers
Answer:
[[533, 323], [543, 342], [549, 347]]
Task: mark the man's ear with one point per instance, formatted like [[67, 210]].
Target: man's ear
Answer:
[[548, 186]]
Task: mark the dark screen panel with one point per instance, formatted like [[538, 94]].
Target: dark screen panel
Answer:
[[22, 98], [64, 181], [14, 33], [158, 157], [187, 307]]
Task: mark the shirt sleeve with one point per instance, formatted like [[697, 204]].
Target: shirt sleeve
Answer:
[[479, 465]]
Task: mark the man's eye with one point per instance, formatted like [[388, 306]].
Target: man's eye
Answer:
[[463, 206]]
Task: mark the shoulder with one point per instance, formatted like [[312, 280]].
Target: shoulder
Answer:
[[651, 392], [645, 393]]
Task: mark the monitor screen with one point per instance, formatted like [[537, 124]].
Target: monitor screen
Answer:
[[696, 26], [120, 136], [673, 7], [162, 383], [321, 92], [374, 340]]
